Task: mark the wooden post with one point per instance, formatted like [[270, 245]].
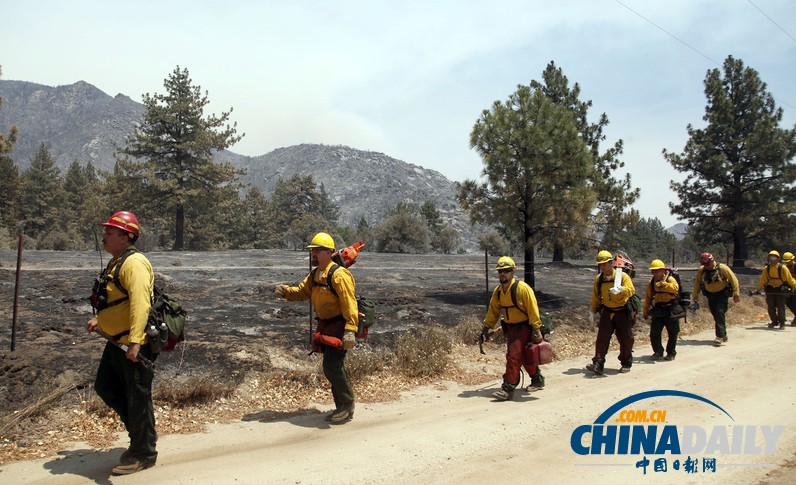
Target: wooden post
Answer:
[[16, 295]]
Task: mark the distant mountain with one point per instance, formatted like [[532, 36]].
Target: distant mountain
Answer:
[[80, 122], [75, 122], [678, 230]]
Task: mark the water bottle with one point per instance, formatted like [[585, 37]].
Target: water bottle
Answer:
[[152, 331]]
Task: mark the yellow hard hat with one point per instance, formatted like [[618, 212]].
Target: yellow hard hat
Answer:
[[604, 256], [787, 257], [505, 262], [322, 240], [657, 264], [773, 253]]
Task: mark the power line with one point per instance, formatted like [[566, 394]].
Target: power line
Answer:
[[697, 50], [772, 20], [669, 33]]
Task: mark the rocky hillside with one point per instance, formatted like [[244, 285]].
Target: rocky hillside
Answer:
[[75, 122], [80, 122], [362, 184]]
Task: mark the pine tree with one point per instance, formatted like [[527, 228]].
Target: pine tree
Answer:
[[537, 170], [42, 196], [614, 195], [740, 170], [296, 199], [172, 167], [9, 191]]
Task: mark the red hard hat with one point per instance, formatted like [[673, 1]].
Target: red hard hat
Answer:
[[126, 221], [706, 257]]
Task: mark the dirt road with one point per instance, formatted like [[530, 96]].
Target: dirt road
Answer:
[[451, 434]]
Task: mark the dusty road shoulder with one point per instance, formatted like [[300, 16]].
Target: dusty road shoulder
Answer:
[[451, 434]]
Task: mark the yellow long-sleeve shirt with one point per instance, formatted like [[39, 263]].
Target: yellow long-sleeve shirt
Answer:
[[601, 296], [776, 278], [501, 302], [715, 281], [661, 292], [137, 277], [325, 303]]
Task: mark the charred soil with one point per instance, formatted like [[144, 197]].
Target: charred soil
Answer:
[[245, 356]]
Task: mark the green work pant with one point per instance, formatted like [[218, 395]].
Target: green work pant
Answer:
[[334, 370], [126, 387], [656, 334], [718, 303]]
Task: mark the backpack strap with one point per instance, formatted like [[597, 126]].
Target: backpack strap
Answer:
[[114, 277], [329, 274], [513, 291], [779, 272]]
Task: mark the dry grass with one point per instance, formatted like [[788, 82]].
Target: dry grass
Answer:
[[423, 352], [192, 390], [295, 384]]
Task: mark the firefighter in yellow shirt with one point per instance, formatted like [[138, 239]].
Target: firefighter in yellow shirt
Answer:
[[609, 307], [718, 282], [337, 316], [787, 258], [660, 300], [778, 282], [521, 324], [122, 303]]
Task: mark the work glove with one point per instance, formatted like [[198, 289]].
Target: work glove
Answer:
[[536, 336], [594, 318], [349, 340], [694, 306], [484, 335], [279, 291], [614, 290]]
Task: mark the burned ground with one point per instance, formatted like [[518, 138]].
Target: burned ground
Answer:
[[236, 327]]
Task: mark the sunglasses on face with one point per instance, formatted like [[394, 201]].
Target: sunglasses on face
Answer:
[[503, 271]]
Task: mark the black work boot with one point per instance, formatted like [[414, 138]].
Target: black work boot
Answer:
[[597, 367]]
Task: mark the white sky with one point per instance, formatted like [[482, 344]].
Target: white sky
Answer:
[[410, 78]]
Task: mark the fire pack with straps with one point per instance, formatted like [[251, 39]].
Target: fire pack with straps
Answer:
[[166, 322], [365, 307], [547, 321]]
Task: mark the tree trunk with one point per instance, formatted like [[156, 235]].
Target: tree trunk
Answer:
[[179, 229], [740, 251], [558, 251], [530, 277]]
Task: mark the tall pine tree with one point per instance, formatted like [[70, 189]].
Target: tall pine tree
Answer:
[[41, 201], [614, 195], [740, 178], [172, 166], [537, 170]]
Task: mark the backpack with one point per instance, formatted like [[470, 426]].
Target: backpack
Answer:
[[782, 288], [547, 321], [166, 322], [681, 301], [713, 272], [634, 304], [365, 307]]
